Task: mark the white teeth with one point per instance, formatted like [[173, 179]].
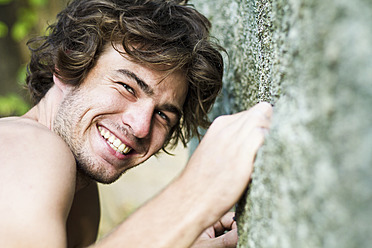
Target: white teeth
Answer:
[[122, 147], [111, 139], [114, 142], [127, 149], [117, 143]]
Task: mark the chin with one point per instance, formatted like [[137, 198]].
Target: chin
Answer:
[[100, 174], [103, 178]]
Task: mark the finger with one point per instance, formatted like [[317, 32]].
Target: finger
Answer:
[[262, 114], [234, 226], [226, 223], [228, 240], [257, 116], [227, 220], [265, 108]]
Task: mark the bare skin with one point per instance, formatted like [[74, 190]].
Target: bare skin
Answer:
[[38, 168], [37, 185]]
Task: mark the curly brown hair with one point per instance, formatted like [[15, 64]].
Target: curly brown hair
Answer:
[[152, 32]]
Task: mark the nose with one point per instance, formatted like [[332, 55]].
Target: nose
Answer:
[[138, 117]]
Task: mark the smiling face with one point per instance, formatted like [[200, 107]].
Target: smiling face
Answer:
[[119, 116]]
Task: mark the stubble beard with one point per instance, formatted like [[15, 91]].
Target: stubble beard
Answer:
[[65, 125]]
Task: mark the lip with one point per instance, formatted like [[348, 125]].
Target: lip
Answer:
[[117, 154]]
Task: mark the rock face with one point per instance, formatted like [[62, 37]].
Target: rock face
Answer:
[[312, 59]]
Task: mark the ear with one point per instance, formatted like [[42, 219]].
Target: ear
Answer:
[[60, 84]]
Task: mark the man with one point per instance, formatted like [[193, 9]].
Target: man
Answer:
[[115, 82]]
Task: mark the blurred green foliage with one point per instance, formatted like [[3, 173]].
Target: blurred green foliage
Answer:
[[26, 21], [27, 18], [21, 75], [12, 104], [5, 1], [3, 29]]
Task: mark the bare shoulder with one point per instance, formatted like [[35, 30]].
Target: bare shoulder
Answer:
[[26, 145], [37, 182], [12, 126], [23, 138]]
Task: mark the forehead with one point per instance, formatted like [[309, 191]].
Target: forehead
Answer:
[[113, 61], [116, 65]]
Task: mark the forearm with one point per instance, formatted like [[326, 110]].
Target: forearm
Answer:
[[175, 218]]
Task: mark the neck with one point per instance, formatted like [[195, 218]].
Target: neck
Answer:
[[45, 111], [82, 180]]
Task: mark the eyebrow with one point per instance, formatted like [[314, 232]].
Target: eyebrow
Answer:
[[173, 109], [144, 86], [149, 91]]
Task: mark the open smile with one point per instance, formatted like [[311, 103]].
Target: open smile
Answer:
[[114, 142]]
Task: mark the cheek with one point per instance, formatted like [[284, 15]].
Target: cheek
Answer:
[[108, 100], [159, 135]]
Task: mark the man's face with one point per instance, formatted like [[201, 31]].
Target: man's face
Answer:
[[120, 115]]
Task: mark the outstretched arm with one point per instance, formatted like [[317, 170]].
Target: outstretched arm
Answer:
[[220, 168]]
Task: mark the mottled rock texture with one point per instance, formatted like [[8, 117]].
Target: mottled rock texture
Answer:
[[312, 59]]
